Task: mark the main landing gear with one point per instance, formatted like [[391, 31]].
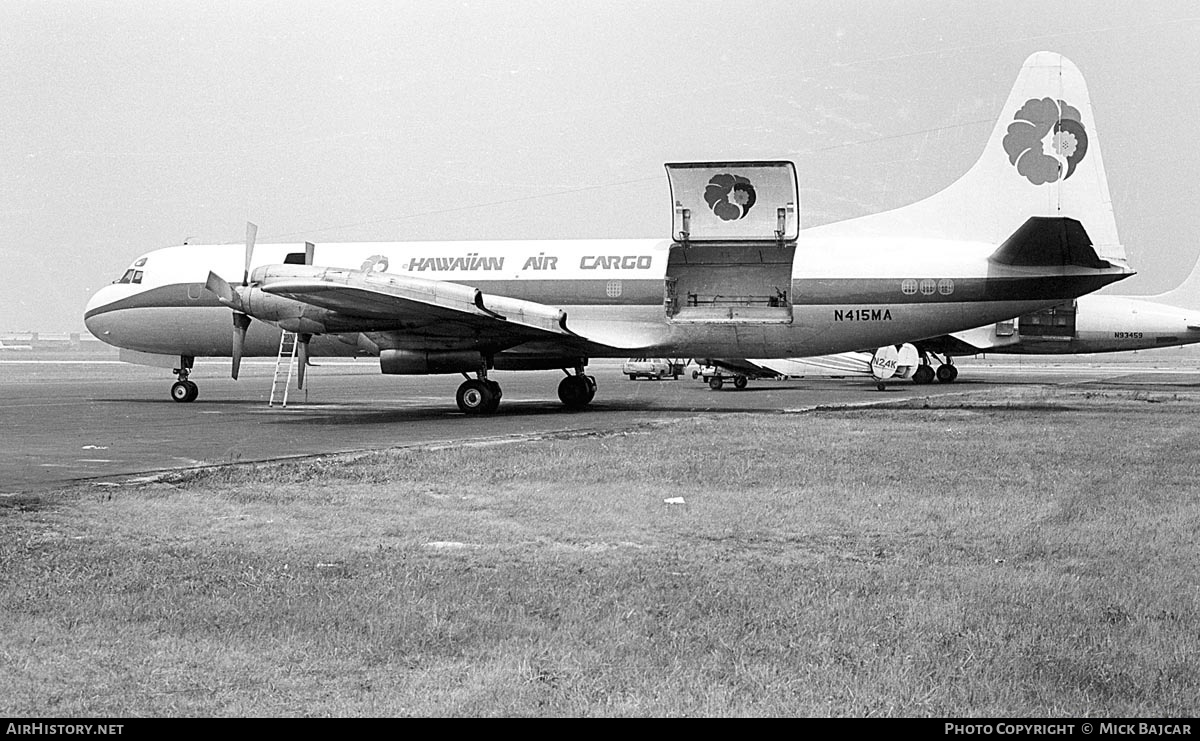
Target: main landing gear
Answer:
[[480, 395], [946, 372], [577, 391], [183, 390]]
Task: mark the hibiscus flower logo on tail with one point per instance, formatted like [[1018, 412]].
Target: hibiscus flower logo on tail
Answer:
[[730, 196], [1046, 140]]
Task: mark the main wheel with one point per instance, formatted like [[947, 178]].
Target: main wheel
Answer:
[[477, 397], [497, 394], [923, 374], [576, 392], [715, 383], [947, 373], [739, 382], [184, 391]]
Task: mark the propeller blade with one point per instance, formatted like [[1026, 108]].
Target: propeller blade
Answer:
[[251, 235], [241, 323], [226, 293], [302, 354], [219, 286]]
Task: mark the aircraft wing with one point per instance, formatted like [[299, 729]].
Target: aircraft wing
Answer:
[[355, 300], [841, 364], [752, 368], [974, 341]]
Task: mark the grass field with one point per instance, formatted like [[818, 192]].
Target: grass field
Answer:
[[988, 555]]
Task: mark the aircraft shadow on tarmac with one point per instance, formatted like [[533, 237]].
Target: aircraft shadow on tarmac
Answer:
[[364, 412]]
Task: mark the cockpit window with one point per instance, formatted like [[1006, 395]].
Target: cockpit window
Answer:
[[132, 275]]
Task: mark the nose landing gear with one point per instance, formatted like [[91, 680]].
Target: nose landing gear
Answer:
[[183, 390]]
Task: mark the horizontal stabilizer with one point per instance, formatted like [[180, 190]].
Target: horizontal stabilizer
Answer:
[[1049, 241]]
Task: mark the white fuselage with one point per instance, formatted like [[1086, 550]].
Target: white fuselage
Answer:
[[843, 294], [1112, 324]]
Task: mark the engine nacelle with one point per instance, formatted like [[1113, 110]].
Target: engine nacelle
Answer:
[[289, 314], [537, 362], [427, 362]]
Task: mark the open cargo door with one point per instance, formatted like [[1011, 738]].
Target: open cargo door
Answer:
[[734, 230]]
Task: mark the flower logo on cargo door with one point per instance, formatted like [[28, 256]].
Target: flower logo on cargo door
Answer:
[[730, 196], [1046, 140]]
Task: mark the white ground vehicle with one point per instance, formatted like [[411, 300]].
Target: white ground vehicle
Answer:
[[656, 368]]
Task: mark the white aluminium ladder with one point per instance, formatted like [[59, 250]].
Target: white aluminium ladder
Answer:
[[287, 349]]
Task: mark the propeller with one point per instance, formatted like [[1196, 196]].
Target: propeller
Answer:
[[251, 235], [241, 322], [302, 354], [236, 299]]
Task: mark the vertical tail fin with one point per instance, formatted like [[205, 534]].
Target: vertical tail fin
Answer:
[[1185, 295], [1042, 159]]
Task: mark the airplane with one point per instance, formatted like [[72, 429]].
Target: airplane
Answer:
[[1092, 324], [1029, 226], [1086, 325]]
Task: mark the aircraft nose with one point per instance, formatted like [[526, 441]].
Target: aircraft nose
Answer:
[[99, 315]]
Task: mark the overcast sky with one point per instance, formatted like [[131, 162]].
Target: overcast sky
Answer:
[[127, 126]]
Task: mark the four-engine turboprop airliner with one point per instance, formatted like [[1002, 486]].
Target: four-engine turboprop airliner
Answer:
[[1028, 227]]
